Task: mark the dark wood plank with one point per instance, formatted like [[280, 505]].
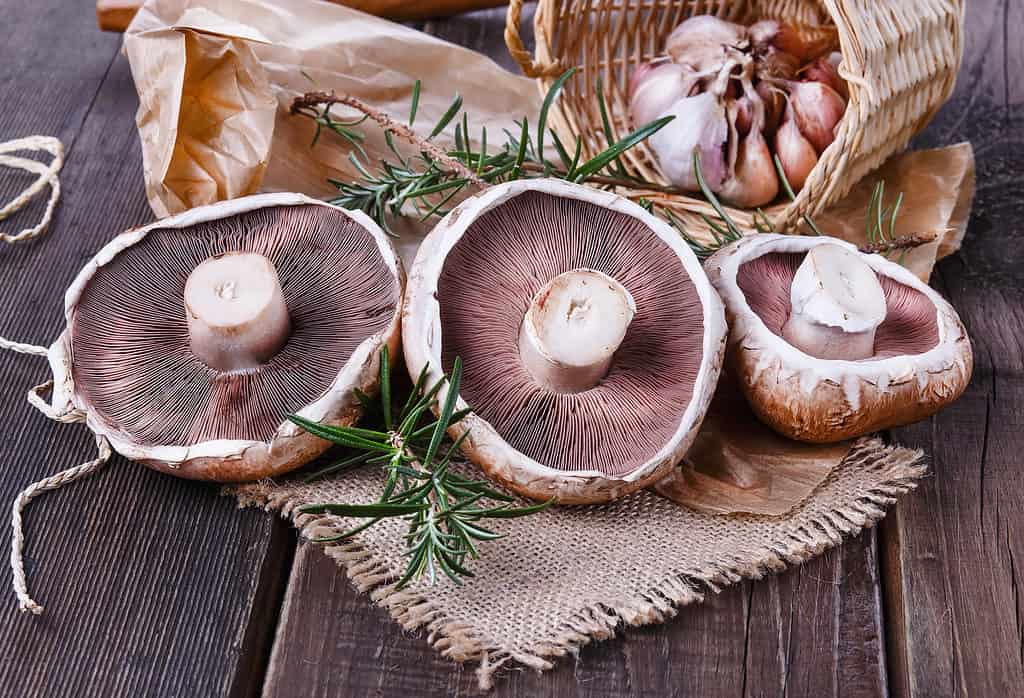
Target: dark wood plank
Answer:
[[814, 631], [954, 550], [152, 586]]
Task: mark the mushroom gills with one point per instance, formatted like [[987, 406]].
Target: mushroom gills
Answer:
[[836, 304], [573, 327], [236, 312]]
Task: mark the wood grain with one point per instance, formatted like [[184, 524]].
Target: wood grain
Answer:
[[954, 551], [155, 586], [813, 631], [152, 586]]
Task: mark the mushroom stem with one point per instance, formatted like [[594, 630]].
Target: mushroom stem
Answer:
[[836, 304], [237, 317], [573, 327]]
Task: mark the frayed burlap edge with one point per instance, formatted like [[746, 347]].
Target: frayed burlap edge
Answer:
[[899, 468]]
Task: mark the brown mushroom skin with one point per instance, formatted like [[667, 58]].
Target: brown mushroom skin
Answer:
[[825, 416], [832, 410]]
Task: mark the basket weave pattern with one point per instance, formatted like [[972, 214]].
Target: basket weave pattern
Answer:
[[900, 60]]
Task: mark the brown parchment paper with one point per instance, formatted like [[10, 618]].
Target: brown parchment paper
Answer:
[[738, 465], [216, 77], [215, 81]]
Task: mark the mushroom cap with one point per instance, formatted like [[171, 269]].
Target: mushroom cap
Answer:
[[468, 293], [922, 356], [124, 361]]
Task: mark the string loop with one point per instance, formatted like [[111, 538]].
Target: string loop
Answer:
[[47, 175]]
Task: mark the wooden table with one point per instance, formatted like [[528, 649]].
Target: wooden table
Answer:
[[156, 586]]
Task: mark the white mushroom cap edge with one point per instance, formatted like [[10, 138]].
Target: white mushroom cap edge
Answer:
[[422, 337]]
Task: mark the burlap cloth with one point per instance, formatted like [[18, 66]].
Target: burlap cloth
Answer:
[[570, 575]]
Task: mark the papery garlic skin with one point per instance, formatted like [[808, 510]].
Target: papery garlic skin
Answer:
[[572, 329], [236, 312], [836, 304], [702, 41], [774, 63], [786, 38]]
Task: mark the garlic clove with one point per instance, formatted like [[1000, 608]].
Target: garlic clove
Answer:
[[702, 41], [822, 70], [741, 111], [774, 101], [701, 124], [795, 152], [818, 109], [655, 87], [753, 182]]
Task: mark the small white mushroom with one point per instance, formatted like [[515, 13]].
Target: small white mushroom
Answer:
[[572, 329], [836, 303], [237, 316]]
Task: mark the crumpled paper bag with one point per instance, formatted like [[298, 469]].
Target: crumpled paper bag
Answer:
[[216, 79]]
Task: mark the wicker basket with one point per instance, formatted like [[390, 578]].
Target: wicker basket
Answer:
[[900, 59]]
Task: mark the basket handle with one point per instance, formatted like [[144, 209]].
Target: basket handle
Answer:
[[530, 68]]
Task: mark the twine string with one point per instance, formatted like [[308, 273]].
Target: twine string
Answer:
[[46, 176], [25, 602]]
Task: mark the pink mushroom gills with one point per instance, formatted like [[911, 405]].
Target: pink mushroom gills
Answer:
[[189, 340], [829, 343], [590, 337]]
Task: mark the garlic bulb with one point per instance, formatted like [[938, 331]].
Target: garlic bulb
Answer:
[[701, 124], [655, 87], [702, 41], [738, 94]]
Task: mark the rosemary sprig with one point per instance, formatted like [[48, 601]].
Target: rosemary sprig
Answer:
[[429, 181], [881, 221], [443, 509]]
